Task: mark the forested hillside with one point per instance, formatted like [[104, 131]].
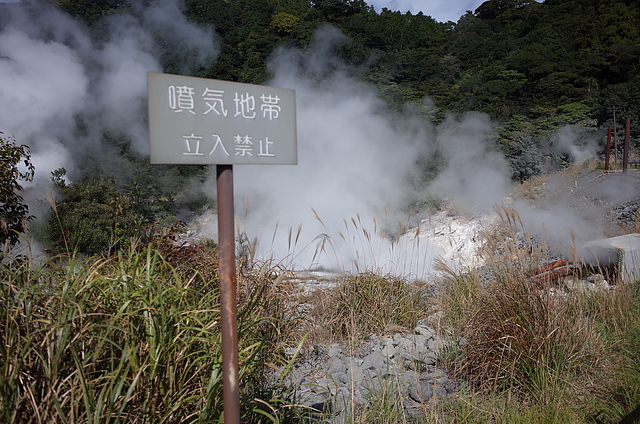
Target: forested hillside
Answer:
[[532, 66]]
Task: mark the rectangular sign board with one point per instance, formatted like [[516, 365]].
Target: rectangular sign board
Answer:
[[202, 121]]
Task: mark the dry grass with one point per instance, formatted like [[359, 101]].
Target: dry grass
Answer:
[[366, 303], [536, 348]]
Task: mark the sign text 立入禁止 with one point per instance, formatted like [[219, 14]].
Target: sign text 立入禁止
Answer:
[[203, 121]]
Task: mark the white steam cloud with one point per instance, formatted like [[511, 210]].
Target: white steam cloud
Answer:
[[578, 143], [339, 207], [477, 176], [55, 75]]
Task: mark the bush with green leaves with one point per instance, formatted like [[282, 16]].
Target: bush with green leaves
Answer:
[[91, 217], [14, 212]]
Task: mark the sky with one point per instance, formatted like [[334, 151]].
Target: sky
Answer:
[[440, 10]]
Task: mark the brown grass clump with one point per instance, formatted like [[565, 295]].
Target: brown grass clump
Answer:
[[523, 339], [366, 303], [537, 346]]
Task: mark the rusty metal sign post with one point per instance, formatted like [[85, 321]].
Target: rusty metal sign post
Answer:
[[228, 312], [210, 122], [625, 154]]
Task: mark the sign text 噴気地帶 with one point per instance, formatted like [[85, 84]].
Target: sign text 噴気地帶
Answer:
[[203, 121]]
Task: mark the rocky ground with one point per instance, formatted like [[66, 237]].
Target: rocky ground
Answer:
[[333, 378], [616, 190], [614, 196]]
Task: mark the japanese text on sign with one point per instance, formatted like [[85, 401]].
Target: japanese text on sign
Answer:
[[202, 121]]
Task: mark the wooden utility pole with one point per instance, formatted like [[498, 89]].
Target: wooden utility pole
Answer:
[[615, 138], [608, 150], [627, 137]]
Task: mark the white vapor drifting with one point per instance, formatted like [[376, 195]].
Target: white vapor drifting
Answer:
[[354, 161], [577, 143], [56, 76], [476, 176], [340, 207]]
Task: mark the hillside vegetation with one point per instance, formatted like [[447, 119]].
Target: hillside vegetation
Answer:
[[532, 67]]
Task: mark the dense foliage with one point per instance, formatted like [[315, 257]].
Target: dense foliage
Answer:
[[15, 166], [91, 217], [508, 58]]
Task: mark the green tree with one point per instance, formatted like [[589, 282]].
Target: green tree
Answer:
[[91, 218], [14, 212], [91, 10], [282, 23]]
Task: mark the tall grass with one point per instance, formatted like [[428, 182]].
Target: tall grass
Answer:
[[129, 339], [539, 351], [367, 303]]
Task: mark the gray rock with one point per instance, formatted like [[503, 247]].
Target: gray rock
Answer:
[[410, 377], [336, 365], [388, 350], [426, 331], [444, 386], [324, 385], [374, 361], [334, 350], [573, 284], [600, 282], [333, 380], [431, 358], [421, 391], [355, 376], [340, 377], [436, 344]]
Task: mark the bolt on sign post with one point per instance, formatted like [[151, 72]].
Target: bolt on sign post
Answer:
[[198, 121]]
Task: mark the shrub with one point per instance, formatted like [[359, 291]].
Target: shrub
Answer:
[[91, 218], [14, 213]]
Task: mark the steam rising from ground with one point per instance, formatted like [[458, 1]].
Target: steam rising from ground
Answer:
[[339, 207], [577, 143], [55, 76], [476, 176]]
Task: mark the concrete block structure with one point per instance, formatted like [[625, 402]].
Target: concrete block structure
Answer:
[[622, 253]]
